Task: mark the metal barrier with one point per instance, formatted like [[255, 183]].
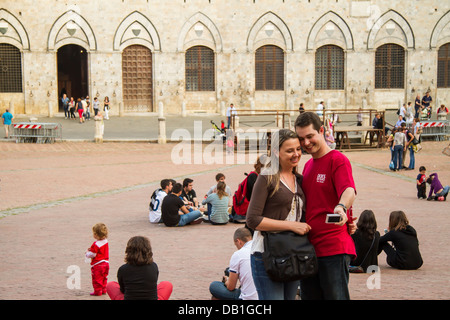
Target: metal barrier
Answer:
[[438, 130], [36, 132]]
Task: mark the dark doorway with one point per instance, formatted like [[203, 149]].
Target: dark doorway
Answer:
[[72, 72]]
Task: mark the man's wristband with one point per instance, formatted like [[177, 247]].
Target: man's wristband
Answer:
[[343, 207]]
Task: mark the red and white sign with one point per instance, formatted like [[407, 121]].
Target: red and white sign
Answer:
[[431, 124], [27, 126]]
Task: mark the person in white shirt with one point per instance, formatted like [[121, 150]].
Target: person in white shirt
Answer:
[[402, 111], [319, 108], [157, 199], [409, 114], [230, 112], [239, 270]]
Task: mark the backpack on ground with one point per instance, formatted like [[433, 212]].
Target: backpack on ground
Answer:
[[240, 201], [154, 203]]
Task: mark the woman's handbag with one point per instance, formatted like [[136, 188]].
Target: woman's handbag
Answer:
[[288, 256]]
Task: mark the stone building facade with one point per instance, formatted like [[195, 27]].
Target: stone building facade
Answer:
[[188, 56]]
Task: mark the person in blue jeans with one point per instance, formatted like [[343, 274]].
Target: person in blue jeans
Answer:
[[238, 272], [276, 204], [398, 146], [409, 137], [174, 212]]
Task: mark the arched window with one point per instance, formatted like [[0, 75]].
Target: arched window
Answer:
[[390, 67], [200, 69], [329, 68], [269, 68], [443, 68], [10, 68]]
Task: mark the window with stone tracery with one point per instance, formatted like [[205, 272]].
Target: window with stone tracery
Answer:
[[10, 68], [390, 67], [269, 68], [200, 69], [329, 68], [443, 67]]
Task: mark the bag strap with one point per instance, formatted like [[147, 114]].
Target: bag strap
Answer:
[[373, 241]]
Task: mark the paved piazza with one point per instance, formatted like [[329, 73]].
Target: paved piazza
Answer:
[[52, 195]]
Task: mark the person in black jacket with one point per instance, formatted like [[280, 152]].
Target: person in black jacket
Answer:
[[366, 240], [404, 252]]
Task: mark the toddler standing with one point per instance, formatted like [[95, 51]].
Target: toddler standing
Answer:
[[421, 183], [99, 255]]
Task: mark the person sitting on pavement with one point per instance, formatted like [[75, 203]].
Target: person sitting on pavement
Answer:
[[440, 192], [137, 279], [219, 177], [404, 253], [174, 212], [219, 205], [188, 193], [157, 199], [238, 270]]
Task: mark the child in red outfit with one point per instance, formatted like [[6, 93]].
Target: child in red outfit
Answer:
[[99, 255]]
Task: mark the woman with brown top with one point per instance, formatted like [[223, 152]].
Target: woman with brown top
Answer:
[[276, 204]]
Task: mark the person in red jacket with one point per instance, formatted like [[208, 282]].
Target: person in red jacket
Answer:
[[99, 255]]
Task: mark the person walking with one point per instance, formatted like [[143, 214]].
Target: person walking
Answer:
[[7, 118]]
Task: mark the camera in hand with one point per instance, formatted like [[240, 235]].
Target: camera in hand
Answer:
[[333, 218]]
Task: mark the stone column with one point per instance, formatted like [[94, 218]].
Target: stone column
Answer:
[[162, 130], [99, 128]]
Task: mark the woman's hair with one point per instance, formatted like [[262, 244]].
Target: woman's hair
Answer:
[[398, 220], [260, 163], [221, 189], [274, 167], [139, 251], [100, 230], [367, 223]]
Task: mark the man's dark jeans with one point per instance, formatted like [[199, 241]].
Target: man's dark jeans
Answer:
[[331, 282]]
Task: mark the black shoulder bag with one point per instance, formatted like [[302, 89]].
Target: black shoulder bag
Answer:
[[288, 256]]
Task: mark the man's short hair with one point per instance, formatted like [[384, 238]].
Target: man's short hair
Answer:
[[177, 187], [242, 234], [307, 118], [165, 183], [187, 181], [219, 176]]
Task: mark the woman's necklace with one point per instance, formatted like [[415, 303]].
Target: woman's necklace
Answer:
[[290, 186]]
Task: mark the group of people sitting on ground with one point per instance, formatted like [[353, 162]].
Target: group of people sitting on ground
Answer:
[[177, 205], [400, 243]]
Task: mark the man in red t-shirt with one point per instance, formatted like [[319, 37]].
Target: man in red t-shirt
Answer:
[[329, 188]]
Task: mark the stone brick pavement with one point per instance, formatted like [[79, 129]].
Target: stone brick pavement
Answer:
[[51, 195]]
